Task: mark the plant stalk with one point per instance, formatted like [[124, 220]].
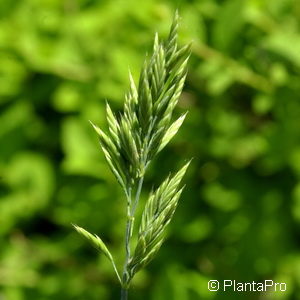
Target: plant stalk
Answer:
[[124, 294], [131, 208], [137, 197]]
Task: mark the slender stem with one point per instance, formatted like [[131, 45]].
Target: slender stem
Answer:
[[116, 270], [128, 235], [129, 227], [124, 294], [137, 196], [127, 232]]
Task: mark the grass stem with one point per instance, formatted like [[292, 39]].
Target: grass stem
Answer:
[[124, 294]]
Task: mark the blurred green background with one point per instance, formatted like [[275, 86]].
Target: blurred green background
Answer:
[[239, 216]]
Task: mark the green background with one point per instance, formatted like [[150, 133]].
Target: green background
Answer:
[[239, 215]]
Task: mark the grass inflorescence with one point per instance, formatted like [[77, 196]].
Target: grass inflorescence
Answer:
[[133, 139]]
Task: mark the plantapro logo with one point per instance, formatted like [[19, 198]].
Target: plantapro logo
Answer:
[[235, 286]]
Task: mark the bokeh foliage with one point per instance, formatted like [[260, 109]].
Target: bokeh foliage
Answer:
[[240, 213]]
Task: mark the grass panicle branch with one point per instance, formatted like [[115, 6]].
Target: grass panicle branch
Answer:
[[134, 138]]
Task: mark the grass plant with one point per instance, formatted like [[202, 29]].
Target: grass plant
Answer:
[[133, 139]]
